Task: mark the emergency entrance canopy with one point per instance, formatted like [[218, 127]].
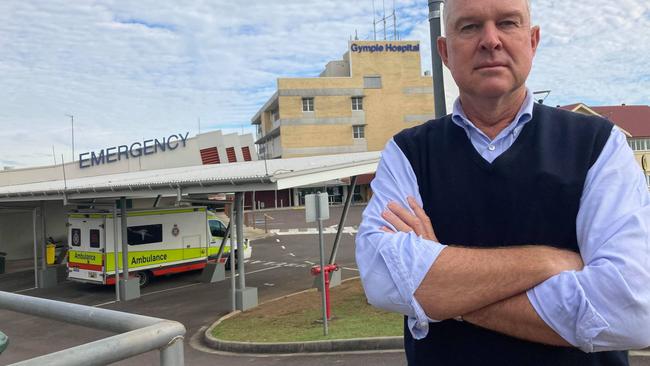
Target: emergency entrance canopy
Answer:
[[233, 177]]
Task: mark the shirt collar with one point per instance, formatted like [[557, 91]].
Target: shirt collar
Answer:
[[524, 115]]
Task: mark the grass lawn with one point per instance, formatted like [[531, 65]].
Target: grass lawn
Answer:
[[295, 318]]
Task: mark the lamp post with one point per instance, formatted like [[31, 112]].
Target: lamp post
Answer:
[[72, 124], [435, 29]]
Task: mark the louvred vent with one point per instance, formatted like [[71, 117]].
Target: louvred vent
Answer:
[[210, 156], [247, 153], [230, 151]]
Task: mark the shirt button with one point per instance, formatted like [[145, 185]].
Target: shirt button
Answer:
[[422, 324], [491, 147]]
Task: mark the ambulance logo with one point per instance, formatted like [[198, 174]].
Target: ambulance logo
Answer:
[[76, 237]]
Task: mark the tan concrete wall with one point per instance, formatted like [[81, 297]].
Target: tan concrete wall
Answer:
[[316, 135], [405, 96], [386, 108], [290, 107], [324, 107], [316, 83]]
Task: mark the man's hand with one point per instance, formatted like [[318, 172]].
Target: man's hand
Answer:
[[417, 221], [406, 221], [464, 280]]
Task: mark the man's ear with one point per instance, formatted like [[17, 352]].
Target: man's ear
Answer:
[[441, 44], [534, 38]]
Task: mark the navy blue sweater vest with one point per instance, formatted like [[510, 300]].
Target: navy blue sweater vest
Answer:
[[529, 195]]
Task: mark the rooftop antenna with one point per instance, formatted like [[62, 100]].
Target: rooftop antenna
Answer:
[[395, 37], [53, 155], [356, 36], [383, 4], [374, 21], [383, 20]]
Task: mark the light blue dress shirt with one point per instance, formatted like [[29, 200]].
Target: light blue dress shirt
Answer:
[[605, 306]]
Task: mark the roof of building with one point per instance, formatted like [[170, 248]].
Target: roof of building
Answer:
[[217, 178], [634, 119]]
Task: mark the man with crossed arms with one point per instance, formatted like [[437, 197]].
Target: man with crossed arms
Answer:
[[540, 250]]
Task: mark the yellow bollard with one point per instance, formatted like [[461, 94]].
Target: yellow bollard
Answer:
[[50, 251]]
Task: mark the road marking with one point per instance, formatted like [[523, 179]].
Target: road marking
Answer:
[[104, 303], [190, 285], [351, 269], [263, 269], [170, 289], [351, 230], [24, 290], [281, 264], [640, 353]]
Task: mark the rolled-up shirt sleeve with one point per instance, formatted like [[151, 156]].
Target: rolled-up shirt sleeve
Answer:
[[606, 306], [392, 265]]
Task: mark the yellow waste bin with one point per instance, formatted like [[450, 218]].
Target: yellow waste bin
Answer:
[[50, 251]]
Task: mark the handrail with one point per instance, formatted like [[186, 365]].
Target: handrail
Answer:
[[139, 333]]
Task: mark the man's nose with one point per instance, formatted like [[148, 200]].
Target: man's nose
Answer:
[[490, 39]]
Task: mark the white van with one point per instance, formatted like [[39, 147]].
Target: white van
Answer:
[[161, 242]]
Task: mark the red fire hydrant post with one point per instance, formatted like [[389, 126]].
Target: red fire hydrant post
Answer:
[[315, 270]]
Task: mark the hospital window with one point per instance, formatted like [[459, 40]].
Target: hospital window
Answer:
[[372, 82], [357, 103], [307, 104], [358, 132]]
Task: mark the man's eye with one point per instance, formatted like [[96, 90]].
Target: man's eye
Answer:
[[508, 24], [469, 27]]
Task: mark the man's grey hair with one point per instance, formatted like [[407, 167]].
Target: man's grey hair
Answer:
[[446, 16]]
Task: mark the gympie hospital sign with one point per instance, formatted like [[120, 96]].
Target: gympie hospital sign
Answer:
[[135, 150], [389, 47]]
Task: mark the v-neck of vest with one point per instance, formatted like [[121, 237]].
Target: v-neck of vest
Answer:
[[507, 155]]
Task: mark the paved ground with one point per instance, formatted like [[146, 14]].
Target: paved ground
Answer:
[[280, 265], [295, 218]]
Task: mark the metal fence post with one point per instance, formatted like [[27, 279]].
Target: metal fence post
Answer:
[[138, 334], [173, 355]]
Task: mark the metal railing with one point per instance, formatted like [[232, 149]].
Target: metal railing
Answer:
[[138, 333]]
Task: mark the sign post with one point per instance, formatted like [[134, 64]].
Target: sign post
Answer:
[[317, 209]]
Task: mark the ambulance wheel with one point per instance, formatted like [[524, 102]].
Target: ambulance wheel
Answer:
[[228, 262], [144, 277]]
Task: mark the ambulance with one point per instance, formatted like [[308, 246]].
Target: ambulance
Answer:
[[160, 242]]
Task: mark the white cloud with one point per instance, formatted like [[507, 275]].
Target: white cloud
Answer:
[[128, 70]]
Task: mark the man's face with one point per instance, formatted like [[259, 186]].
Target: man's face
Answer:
[[489, 47]]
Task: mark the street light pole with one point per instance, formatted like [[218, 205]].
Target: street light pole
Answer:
[[72, 124], [435, 29]]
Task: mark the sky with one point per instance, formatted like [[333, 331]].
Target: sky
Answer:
[[134, 70]]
